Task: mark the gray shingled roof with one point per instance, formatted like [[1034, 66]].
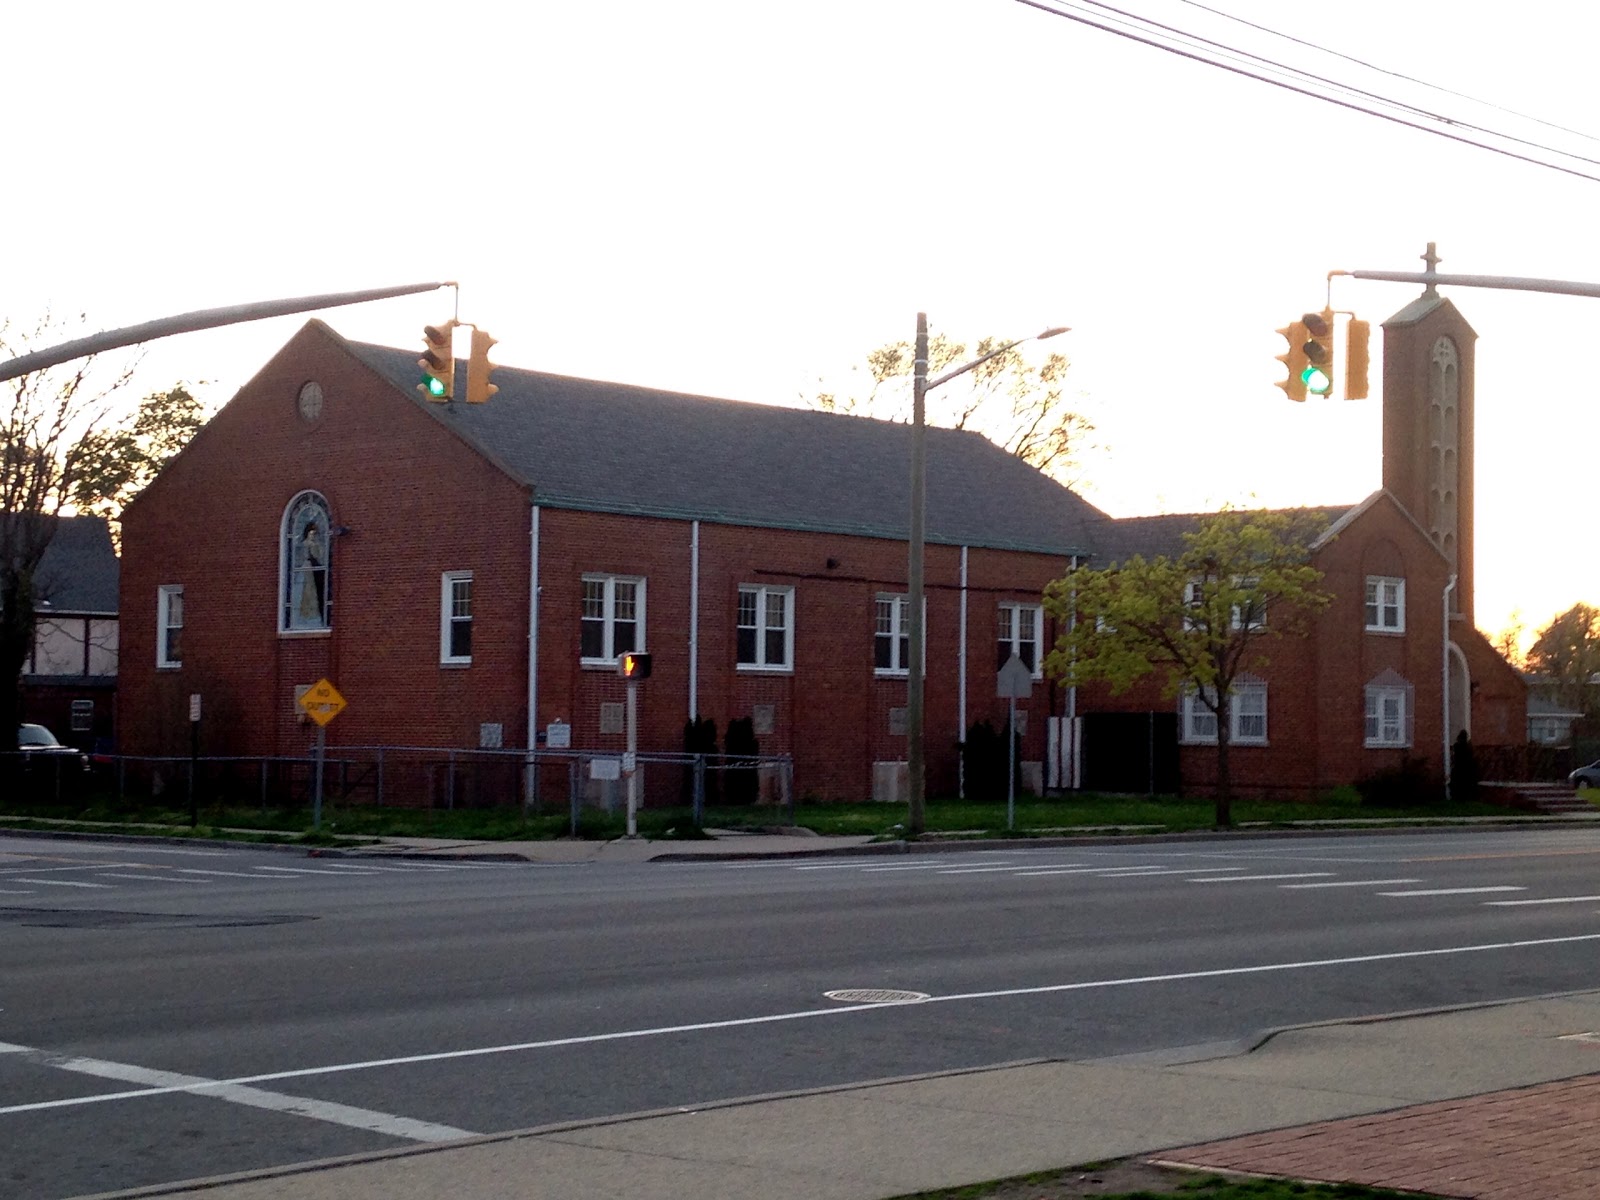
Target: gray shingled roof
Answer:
[[611, 447], [78, 573], [1162, 536]]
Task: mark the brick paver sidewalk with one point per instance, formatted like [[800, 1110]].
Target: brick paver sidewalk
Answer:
[[1534, 1143]]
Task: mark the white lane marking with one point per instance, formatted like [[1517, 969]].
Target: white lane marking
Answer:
[[1545, 900], [152, 878], [16, 891], [805, 1014], [1262, 878], [37, 870], [307, 870], [1082, 870], [980, 870], [229, 874], [61, 883], [928, 866], [1289, 887], [1465, 891], [168, 1082]]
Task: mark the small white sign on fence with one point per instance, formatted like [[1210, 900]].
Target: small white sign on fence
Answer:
[[605, 768], [558, 735]]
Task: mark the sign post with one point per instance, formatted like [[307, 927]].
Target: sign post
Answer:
[[1014, 680], [322, 703], [194, 758]]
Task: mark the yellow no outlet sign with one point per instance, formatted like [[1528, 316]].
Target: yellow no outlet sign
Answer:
[[322, 702]]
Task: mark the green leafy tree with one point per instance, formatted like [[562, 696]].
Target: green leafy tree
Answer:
[[64, 450], [1015, 403], [1200, 620], [1567, 652]]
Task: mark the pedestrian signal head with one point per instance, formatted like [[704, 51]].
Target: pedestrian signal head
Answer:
[[633, 665]]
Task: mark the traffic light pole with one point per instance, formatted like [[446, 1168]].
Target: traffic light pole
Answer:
[[630, 763], [205, 318]]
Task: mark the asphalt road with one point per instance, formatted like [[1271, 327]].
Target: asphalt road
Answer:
[[174, 1012]]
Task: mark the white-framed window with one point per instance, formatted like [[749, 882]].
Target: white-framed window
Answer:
[[1020, 629], [1388, 714], [305, 598], [1254, 619], [1386, 604], [613, 618], [1247, 712], [891, 641], [455, 617], [169, 625], [765, 633]]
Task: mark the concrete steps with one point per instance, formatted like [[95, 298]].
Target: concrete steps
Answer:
[[1545, 797]]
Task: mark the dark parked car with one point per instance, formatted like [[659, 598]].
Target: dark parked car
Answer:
[[1586, 776], [35, 742]]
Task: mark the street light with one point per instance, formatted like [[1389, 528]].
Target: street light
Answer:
[[921, 386]]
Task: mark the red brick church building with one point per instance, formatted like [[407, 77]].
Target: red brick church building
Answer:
[[468, 574]]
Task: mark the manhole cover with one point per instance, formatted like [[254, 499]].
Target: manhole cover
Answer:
[[875, 996]]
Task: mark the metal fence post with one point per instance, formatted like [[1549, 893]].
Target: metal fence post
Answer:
[[699, 790], [450, 782], [572, 791], [787, 773], [380, 776]]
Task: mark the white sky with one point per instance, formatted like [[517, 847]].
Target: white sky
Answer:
[[738, 198]]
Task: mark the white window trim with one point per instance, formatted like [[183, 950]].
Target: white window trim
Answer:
[[608, 657], [1378, 582], [1190, 706], [760, 666], [447, 617], [902, 613], [1375, 696], [1193, 597], [1013, 609], [164, 597]]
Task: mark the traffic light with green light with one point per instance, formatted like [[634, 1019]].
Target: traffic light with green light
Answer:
[[438, 361], [1318, 372], [479, 389], [633, 665], [1294, 361]]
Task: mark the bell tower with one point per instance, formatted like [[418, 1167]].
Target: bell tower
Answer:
[[1427, 425]]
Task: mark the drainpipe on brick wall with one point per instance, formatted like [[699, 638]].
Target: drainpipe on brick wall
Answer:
[[961, 686], [1445, 679], [694, 621], [533, 652]]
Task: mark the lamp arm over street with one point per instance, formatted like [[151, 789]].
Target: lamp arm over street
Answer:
[[978, 362]]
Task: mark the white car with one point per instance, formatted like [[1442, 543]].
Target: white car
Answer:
[[1586, 776]]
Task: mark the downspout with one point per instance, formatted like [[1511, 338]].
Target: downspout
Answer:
[[694, 621], [961, 686], [1445, 678], [533, 651], [1073, 777]]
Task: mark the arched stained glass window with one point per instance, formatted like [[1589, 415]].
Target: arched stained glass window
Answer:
[[305, 599]]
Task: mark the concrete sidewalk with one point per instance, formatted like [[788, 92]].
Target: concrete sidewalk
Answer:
[[1208, 1107]]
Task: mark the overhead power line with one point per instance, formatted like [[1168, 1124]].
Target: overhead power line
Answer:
[[1295, 79]]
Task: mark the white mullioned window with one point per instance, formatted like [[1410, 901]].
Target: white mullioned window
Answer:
[[1254, 619], [169, 625], [891, 642], [1247, 713], [1020, 630], [765, 633], [455, 617], [613, 618], [1388, 712], [1386, 604]]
